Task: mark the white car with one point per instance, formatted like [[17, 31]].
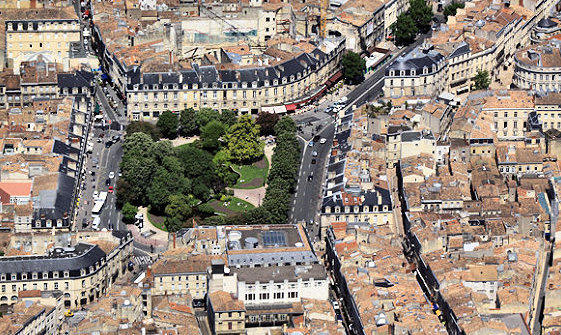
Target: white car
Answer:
[[111, 175], [95, 195], [322, 141]]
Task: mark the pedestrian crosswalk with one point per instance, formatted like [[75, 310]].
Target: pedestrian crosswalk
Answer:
[[142, 260]]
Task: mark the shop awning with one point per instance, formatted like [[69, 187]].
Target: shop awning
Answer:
[[290, 107], [274, 109], [334, 78]]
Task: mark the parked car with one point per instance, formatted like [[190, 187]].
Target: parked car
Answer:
[[322, 141], [95, 195], [111, 175], [110, 190]]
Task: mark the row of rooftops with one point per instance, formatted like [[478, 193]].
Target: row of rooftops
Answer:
[[210, 76]]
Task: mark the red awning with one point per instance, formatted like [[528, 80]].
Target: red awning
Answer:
[[334, 78], [291, 107]]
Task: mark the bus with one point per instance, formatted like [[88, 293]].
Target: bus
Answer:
[[99, 202]]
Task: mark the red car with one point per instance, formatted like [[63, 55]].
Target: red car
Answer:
[[110, 189]]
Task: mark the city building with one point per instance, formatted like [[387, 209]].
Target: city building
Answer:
[[538, 67], [83, 272], [423, 71], [47, 33]]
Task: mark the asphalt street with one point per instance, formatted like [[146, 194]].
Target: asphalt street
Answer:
[[306, 201], [371, 88]]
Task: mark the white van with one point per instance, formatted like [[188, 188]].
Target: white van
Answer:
[[96, 222]]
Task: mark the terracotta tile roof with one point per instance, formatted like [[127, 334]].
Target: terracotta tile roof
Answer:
[[223, 302]]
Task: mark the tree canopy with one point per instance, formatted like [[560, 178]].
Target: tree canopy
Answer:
[[267, 122], [129, 212], [404, 30], [187, 125], [204, 116], [168, 123], [452, 8], [421, 13], [210, 135], [353, 68], [243, 140], [481, 81], [285, 124], [144, 127]]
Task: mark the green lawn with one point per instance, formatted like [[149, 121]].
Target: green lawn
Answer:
[[253, 175], [235, 205], [157, 221]]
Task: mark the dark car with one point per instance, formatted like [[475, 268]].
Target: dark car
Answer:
[[313, 161], [311, 177], [107, 182], [317, 138], [108, 144]]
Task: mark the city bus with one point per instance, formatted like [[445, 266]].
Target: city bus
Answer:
[[99, 203]]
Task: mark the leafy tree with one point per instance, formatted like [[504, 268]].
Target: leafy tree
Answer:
[[277, 203], [243, 140], [404, 30], [144, 127], [204, 116], [137, 145], [173, 165], [173, 224], [258, 215], [481, 81], [198, 166], [267, 122], [160, 150], [210, 135], [452, 8], [201, 190], [353, 68], [222, 167], [285, 124], [180, 206], [421, 13], [216, 220], [124, 193], [187, 125], [129, 212], [164, 184], [168, 123], [205, 209], [228, 117], [138, 166]]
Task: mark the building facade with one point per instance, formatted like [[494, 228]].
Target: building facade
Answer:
[[538, 67], [246, 91], [421, 72], [83, 272]]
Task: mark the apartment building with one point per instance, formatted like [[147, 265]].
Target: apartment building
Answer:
[[401, 144], [47, 32], [511, 110], [288, 284], [484, 36], [281, 87], [83, 272], [422, 71], [538, 67], [29, 318], [546, 28], [513, 159], [180, 277], [226, 315], [548, 110]]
